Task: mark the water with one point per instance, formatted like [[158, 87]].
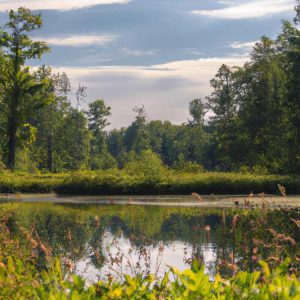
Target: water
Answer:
[[100, 241], [156, 258]]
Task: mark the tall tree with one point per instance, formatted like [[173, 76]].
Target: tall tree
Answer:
[[224, 106], [18, 48], [97, 115], [289, 46], [74, 140], [136, 136], [49, 119], [261, 107], [297, 9], [197, 110]]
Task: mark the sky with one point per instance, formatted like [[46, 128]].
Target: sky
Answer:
[[157, 53]]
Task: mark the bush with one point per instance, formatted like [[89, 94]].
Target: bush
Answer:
[[142, 178], [147, 164], [105, 161]]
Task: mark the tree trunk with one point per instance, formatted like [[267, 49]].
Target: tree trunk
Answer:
[[13, 109], [50, 152], [12, 139]]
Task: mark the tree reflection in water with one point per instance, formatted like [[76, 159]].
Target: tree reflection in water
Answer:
[[110, 241]]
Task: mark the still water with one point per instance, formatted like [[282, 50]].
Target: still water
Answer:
[[98, 241]]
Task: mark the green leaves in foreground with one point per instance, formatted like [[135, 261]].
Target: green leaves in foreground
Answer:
[[21, 281]]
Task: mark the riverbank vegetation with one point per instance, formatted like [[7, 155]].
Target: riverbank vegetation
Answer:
[[152, 182], [41, 243], [250, 122]]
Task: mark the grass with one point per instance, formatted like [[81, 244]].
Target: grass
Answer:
[[116, 182]]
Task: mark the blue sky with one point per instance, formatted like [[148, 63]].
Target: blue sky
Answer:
[[159, 53]]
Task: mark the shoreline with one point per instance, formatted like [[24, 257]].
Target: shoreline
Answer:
[[214, 201]]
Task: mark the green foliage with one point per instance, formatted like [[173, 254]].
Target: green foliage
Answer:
[[97, 115], [147, 164], [22, 94], [187, 166], [2, 165], [103, 161], [256, 106], [197, 110], [20, 280], [252, 126], [75, 135], [144, 179]]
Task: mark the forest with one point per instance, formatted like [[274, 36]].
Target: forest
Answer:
[[249, 123]]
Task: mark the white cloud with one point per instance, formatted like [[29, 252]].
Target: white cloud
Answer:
[[193, 51], [131, 52], [244, 46], [54, 4], [248, 9], [164, 89], [78, 40]]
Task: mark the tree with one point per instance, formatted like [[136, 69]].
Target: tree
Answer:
[[148, 164], [49, 119], [116, 146], [198, 111], [289, 47], [223, 105], [136, 136], [297, 9], [80, 95], [97, 116], [97, 121], [74, 140], [3, 108], [19, 87], [261, 107]]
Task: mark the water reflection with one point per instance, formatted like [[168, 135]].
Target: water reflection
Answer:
[[123, 258], [100, 241]]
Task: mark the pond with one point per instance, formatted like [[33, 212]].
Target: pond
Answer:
[[99, 241]]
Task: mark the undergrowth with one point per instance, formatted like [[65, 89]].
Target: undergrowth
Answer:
[[116, 182]]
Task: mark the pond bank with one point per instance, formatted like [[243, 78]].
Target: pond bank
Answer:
[[118, 182], [167, 200]]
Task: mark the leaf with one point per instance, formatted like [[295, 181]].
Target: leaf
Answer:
[[265, 269]]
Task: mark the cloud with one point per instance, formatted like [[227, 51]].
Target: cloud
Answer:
[[248, 9], [131, 52], [243, 46], [193, 51], [78, 40], [55, 4], [164, 89]]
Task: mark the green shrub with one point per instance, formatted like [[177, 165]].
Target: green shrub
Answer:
[[143, 178], [148, 164]]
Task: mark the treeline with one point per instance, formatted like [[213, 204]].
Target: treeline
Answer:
[[250, 122]]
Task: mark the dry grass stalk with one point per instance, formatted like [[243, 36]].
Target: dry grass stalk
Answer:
[[197, 197]]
